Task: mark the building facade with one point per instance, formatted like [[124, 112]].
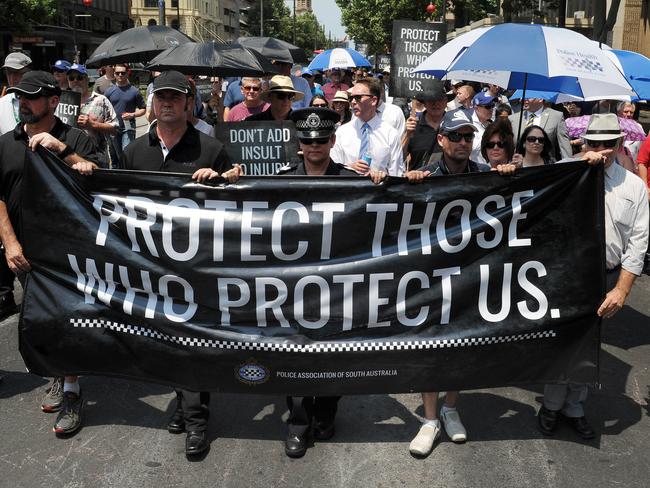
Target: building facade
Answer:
[[303, 6]]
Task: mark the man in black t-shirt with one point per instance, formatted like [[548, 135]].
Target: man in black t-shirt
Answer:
[[38, 96]]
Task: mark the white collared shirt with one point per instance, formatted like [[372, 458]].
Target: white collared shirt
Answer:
[[385, 146], [8, 113], [536, 121], [393, 115]]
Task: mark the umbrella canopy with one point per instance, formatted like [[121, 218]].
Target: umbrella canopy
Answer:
[[635, 68], [136, 45], [576, 126], [341, 58], [275, 49], [212, 59], [553, 97], [531, 56]]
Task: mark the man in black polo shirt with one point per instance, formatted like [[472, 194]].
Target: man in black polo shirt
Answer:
[[38, 96], [420, 141], [174, 145]]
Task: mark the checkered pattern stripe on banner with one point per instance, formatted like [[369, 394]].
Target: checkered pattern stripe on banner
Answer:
[[309, 348], [583, 63]]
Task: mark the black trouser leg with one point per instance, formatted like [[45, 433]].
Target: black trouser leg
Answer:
[[300, 415], [7, 277], [196, 410], [325, 408]]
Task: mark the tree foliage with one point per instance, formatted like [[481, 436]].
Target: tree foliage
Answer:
[[23, 15], [370, 21]]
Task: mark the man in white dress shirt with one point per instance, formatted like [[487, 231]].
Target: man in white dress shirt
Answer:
[[626, 241], [367, 141]]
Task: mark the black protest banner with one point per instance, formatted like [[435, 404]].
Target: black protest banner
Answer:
[[304, 285], [68, 109], [260, 147], [413, 42], [380, 62]]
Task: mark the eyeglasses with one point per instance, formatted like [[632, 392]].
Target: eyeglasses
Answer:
[[120, 73], [533, 139], [76, 78], [457, 136], [319, 140], [251, 88], [608, 144], [493, 144], [358, 98], [283, 96], [319, 105]]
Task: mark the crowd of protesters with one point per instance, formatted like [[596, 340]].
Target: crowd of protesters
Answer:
[[449, 128]]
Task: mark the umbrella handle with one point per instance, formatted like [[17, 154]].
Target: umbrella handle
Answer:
[[521, 114]]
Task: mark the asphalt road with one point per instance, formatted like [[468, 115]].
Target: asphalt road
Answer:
[[123, 442]]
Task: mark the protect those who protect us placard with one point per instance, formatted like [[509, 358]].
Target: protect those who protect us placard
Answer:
[[261, 148], [299, 285], [68, 109], [413, 42]]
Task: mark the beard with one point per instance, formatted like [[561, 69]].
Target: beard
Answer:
[[29, 117]]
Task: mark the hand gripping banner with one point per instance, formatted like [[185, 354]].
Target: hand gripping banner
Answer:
[[301, 285]]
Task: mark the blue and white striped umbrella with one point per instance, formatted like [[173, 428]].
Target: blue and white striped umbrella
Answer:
[[341, 58], [635, 68], [535, 56]]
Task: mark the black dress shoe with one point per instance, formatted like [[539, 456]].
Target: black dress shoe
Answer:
[[547, 421], [8, 306], [324, 430], [295, 446], [196, 443], [581, 426], [176, 424]]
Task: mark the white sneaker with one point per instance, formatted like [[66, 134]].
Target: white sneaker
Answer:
[[422, 444], [453, 426]]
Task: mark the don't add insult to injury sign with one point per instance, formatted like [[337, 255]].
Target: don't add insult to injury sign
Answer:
[[314, 285]]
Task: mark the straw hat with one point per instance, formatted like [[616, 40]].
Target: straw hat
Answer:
[[281, 84], [341, 96], [603, 127]]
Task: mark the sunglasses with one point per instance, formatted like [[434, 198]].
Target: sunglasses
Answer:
[[493, 144], [120, 73], [358, 98], [319, 105], [457, 136], [284, 96], [319, 140], [76, 78], [608, 144], [29, 96], [251, 88], [532, 139]]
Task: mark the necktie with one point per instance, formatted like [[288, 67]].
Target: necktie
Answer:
[[365, 142], [531, 119]]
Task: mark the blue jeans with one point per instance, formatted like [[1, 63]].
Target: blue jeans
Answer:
[[128, 136]]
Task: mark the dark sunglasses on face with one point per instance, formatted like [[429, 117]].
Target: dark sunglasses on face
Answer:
[[608, 144], [251, 88], [358, 98], [284, 96], [29, 96], [76, 78], [532, 139], [319, 140], [493, 144], [319, 105], [489, 107], [457, 136], [120, 73]]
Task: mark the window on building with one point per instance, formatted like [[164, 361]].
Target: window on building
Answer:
[[175, 3], [151, 3], [175, 24], [152, 22]]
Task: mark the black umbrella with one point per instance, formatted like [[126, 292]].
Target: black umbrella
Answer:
[[212, 59], [274, 48], [136, 45]]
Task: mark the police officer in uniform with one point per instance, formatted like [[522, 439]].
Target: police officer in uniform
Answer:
[[315, 130]]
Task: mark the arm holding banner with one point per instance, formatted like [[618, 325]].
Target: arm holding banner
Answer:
[[65, 152], [13, 250]]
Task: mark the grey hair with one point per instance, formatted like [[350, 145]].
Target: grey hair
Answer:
[[247, 78], [621, 105]]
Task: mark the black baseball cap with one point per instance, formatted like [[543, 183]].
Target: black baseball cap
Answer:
[[433, 90], [171, 80], [314, 122], [37, 82], [455, 119]]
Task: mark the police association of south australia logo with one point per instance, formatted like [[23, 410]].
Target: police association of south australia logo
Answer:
[[252, 373]]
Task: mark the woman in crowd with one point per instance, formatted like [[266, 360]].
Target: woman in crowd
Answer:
[[497, 144], [534, 148], [341, 105], [503, 111], [318, 101]]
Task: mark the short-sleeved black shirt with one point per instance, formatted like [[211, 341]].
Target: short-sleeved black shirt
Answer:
[[195, 150], [13, 153], [423, 143], [333, 169]]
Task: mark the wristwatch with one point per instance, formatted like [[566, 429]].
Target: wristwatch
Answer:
[[66, 152]]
